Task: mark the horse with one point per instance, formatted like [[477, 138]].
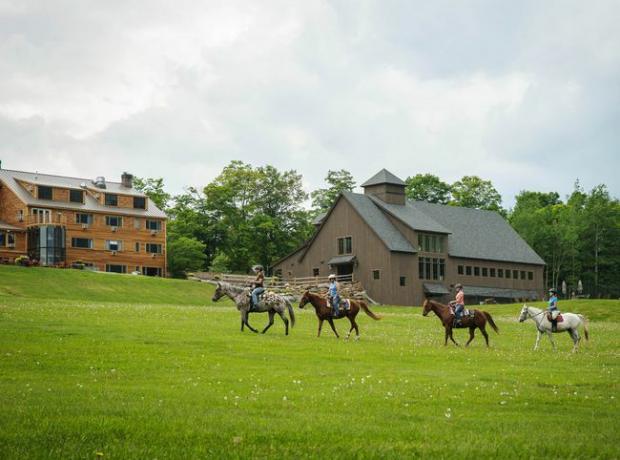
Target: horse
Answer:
[[570, 323], [324, 311], [444, 313], [269, 302]]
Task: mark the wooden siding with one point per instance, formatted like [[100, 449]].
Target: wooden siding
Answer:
[[10, 207]]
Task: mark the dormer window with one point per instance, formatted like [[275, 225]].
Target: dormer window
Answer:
[[76, 196], [44, 192], [111, 199], [139, 202]]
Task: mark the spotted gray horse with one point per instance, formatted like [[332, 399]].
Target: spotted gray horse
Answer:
[[269, 303]]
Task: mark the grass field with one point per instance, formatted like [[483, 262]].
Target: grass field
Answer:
[[112, 366]]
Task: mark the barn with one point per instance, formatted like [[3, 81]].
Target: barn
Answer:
[[403, 251]]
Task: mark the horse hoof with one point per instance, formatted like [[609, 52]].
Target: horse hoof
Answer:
[[357, 337]]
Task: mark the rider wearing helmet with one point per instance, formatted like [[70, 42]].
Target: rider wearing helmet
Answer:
[[333, 295], [553, 309], [459, 301], [258, 285]]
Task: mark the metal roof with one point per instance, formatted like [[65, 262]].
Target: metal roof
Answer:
[[339, 260], [379, 223], [383, 177], [9, 178], [411, 216], [435, 288], [477, 234], [502, 293]]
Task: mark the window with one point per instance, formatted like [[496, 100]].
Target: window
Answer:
[[113, 245], [85, 243], [530, 276], [515, 274], [81, 218], [345, 245], [116, 268], [460, 270], [139, 202], [468, 270], [151, 271], [10, 240], [435, 269], [136, 223], [442, 269], [153, 225], [114, 221], [76, 196], [2, 239], [44, 192], [485, 271], [508, 273], [476, 271], [111, 199], [137, 247], [492, 272], [315, 272], [500, 272], [431, 268], [376, 274], [522, 274], [403, 280], [153, 248], [430, 243]]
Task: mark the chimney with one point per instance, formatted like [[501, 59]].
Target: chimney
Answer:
[[387, 187], [127, 180], [99, 182]]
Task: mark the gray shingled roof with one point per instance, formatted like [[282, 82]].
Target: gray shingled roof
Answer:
[[479, 234], [9, 177], [383, 177], [412, 216], [376, 219], [319, 218]]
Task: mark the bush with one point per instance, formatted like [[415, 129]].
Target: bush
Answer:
[[24, 261]]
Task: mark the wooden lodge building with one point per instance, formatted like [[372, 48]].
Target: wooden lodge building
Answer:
[[60, 221], [403, 251]]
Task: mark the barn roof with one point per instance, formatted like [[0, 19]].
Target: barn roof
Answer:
[[412, 216], [10, 178]]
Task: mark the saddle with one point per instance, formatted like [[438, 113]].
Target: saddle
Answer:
[[559, 318]]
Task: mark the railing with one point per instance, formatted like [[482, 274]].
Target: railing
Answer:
[[52, 218], [271, 281]]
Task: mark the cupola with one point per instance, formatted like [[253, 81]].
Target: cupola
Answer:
[[386, 186]]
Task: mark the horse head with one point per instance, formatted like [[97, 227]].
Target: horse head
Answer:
[[524, 313], [219, 292], [426, 307], [305, 299]]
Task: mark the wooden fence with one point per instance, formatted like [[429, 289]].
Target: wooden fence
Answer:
[[270, 281]]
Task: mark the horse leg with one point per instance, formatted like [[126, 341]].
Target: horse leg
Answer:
[[320, 326], [285, 319], [483, 329], [242, 322], [574, 333], [452, 338], [245, 319], [331, 323], [445, 343], [352, 321], [357, 329], [271, 315], [471, 335], [538, 336], [550, 335]]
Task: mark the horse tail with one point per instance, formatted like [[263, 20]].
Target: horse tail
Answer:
[[586, 332], [291, 311], [490, 320], [367, 310]]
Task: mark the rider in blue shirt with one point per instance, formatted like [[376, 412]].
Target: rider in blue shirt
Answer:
[[553, 309], [333, 294]]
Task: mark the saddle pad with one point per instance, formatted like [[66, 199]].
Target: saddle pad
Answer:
[[346, 304], [559, 319]]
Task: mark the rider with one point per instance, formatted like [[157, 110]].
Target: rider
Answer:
[[258, 285], [458, 302], [332, 292], [553, 309]]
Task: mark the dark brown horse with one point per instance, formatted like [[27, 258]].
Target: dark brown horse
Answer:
[[324, 311], [444, 313]]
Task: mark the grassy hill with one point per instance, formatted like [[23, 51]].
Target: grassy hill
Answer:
[[45, 283], [110, 366]]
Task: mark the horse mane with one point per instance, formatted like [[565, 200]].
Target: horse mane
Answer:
[[232, 288]]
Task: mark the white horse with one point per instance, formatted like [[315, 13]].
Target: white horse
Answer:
[[570, 324]]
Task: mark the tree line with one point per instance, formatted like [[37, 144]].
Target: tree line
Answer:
[[255, 215]]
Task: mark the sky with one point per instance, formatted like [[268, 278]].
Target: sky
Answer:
[[525, 94]]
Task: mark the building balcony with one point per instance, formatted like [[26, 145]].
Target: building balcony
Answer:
[[45, 219]]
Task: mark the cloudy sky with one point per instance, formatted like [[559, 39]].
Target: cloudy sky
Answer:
[[524, 93]]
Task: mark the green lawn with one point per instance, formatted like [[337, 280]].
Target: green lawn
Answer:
[[112, 366]]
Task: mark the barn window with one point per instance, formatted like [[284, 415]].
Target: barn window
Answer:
[[468, 270], [403, 280], [315, 272], [376, 274], [515, 274], [492, 272], [500, 272], [530, 276], [442, 269], [508, 273], [345, 245], [476, 271], [461, 269], [522, 274], [111, 199], [485, 271]]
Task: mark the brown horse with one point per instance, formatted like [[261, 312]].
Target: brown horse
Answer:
[[444, 313], [324, 311]]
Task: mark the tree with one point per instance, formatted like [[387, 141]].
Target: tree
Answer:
[[474, 192], [154, 189], [338, 181], [427, 187], [185, 254]]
